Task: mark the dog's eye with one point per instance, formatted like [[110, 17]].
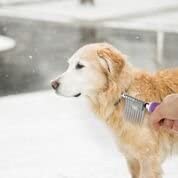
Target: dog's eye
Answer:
[[79, 66]]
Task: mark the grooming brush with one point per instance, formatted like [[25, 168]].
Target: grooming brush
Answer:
[[134, 109]]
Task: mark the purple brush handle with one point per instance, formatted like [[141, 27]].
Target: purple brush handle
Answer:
[[152, 106]]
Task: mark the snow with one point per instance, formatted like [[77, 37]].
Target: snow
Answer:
[[46, 136]]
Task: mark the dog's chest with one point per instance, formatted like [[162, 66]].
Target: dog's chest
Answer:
[[135, 141]]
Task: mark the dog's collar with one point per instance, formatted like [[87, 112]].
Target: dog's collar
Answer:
[[122, 94], [120, 98], [118, 101]]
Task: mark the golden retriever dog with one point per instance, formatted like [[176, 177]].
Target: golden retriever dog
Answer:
[[102, 73]]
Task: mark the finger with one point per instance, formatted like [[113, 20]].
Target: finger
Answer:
[[175, 126], [159, 124], [156, 125], [168, 124], [156, 117]]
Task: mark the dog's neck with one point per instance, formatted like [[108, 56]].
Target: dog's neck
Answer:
[[106, 102]]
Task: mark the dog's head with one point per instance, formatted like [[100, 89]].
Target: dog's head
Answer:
[[90, 70]]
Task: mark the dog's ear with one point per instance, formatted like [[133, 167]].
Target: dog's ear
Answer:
[[111, 60]]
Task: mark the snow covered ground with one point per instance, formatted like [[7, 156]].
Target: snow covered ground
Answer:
[[46, 136]]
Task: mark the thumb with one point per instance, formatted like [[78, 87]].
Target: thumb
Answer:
[[156, 117]]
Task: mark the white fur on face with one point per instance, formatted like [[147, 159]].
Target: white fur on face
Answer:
[[80, 81]]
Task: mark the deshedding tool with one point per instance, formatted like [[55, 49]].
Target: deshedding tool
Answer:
[[134, 109]]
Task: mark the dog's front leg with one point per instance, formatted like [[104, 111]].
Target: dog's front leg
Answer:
[[150, 168], [134, 167]]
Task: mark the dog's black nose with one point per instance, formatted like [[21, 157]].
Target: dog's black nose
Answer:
[[55, 84]]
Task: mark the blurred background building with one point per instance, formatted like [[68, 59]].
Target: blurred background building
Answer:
[[39, 26]]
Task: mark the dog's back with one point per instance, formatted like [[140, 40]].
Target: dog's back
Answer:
[[154, 87], [167, 82]]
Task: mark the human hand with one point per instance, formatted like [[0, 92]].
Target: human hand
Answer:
[[166, 114]]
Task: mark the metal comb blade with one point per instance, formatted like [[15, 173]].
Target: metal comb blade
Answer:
[[134, 109]]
